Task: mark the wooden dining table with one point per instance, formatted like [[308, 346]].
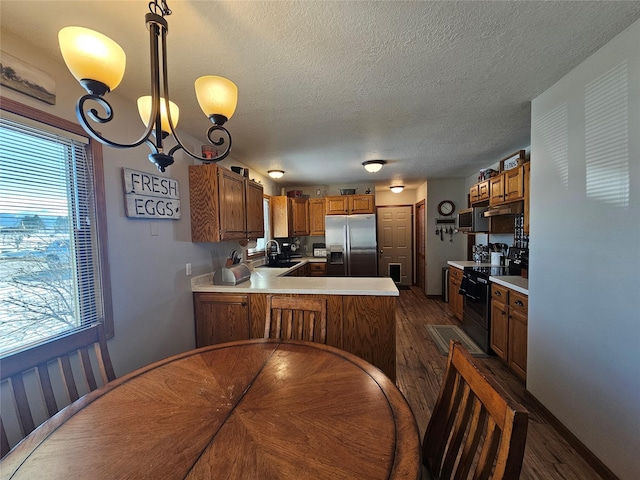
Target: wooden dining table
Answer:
[[256, 409]]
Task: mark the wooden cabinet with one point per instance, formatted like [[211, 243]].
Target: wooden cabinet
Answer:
[[514, 184], [526, 171], [479, 192], [362, 325], [507, 187], [496, 190], [301, 271], [499, 320], [349, 204], [224, 205], [518, 325], [255, 209], [290, 217], [309, 269], [316, 216], [221, 318], [509, 323], [317, 269], [456, 301]]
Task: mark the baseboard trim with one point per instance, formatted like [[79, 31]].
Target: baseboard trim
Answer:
[[588, 456]]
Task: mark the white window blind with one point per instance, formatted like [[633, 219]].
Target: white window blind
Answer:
[[50, 279]]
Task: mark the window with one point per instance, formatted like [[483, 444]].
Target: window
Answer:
[[52, 228]]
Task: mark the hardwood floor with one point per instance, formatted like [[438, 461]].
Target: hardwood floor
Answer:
[[420, 367]]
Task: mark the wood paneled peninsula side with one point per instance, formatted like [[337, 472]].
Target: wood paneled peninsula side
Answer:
[[361, 312]]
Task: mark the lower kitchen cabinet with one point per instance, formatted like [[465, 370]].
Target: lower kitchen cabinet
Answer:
[[509, 323], [317, 269], [455, 299], [364, 325], [221, 318]]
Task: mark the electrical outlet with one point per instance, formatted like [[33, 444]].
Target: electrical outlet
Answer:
[[188, 269]]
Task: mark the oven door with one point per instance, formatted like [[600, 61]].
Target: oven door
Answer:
[[476, 300], [475, 316]]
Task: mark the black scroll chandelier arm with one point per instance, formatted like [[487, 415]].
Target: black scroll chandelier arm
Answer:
[[179, 145], [94, 115], [219, 142]]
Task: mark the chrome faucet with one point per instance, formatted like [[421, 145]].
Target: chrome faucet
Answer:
[[266, 246]]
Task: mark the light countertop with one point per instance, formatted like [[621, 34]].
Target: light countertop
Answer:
[[514, 282], [269, 280]]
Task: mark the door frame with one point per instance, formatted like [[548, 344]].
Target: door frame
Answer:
[[412, 234], [421, 203]]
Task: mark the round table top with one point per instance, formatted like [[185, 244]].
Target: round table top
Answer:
[[256, 409]]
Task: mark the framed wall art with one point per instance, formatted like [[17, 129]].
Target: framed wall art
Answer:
[[24, 78]]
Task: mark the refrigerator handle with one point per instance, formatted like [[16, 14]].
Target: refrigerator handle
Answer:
[[347, 242]]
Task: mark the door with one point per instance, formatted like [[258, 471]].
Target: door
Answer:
[[395, 245], [421, 262]]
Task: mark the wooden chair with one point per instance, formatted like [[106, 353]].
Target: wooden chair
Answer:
[[475, 427], [18, 367], [296, 318]]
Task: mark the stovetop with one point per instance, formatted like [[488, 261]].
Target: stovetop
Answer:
[[486, 271]]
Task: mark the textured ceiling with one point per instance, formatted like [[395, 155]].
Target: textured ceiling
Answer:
[[438, 89]]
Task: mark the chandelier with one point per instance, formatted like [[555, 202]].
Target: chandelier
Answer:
[[98, 63]]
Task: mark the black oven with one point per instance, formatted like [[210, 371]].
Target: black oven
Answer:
[[476, 316]]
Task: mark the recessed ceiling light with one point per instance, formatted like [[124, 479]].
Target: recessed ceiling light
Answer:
[[276, 173], [397, 188], [373, 166]]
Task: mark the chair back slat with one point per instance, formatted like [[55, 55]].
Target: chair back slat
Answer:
[[17, 367], [47, 390], [296, 318], [4, 440], [87, 369], [68, 379], [473, 440], [475, 429], [22, 405]]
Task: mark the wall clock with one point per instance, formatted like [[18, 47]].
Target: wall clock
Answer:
[[446, 208]]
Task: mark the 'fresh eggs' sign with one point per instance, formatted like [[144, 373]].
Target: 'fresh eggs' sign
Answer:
[[150, 196]]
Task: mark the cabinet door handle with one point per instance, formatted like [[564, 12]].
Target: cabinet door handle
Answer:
[[519, 303], [497, 294]]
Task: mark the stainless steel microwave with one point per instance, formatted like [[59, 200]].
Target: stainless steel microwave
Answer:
[[473, 220]]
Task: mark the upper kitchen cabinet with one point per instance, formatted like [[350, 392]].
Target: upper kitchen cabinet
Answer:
[[479, 192], [349, 204], [224, 205], [526, 169], [290, 217], [316, 216], [255, 210]]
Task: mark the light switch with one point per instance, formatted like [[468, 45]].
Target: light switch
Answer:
[[188, 269], [154, 229]]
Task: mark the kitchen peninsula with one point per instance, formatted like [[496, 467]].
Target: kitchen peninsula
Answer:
[[360, 311]]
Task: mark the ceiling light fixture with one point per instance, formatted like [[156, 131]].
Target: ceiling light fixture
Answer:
[[397, 188], [373, 166], [98, 63], [276, 173]]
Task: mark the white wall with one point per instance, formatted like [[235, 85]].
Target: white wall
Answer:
[[439, 252], [152, 302], [584, 307]]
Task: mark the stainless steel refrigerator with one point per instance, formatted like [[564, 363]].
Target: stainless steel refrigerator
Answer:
[[351, 245]]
